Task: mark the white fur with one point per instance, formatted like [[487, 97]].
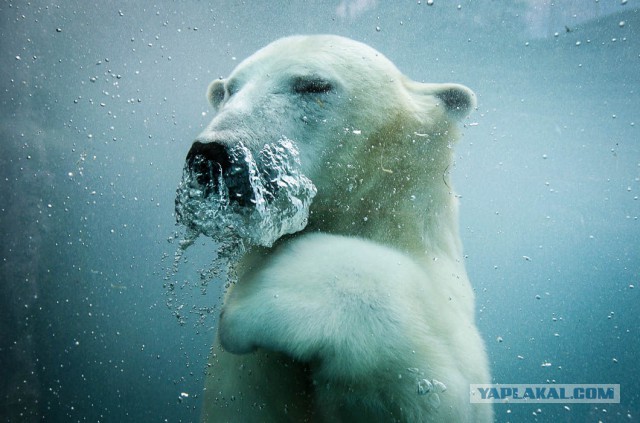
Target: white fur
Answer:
[[343, 321]]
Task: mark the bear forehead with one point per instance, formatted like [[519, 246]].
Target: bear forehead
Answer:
[[330, 54]]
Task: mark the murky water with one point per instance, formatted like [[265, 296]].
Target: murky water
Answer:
[[96, 122]]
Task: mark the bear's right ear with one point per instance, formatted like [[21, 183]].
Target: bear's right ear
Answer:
[[215, 93]]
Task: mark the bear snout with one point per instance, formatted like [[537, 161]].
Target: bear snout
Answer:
[[212, 165]]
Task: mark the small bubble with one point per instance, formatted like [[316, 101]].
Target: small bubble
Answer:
[[424, 387], [439, 386], [621, 24], [378, 29]]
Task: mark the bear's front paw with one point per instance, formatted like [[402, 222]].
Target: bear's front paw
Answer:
[[234, 339], [322, 296], [275, 322]]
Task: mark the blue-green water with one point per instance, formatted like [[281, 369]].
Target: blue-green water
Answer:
[[101, 101]]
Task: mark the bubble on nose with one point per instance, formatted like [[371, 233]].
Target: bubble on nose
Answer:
[[256, 200]]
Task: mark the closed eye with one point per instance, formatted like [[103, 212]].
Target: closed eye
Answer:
[[311, 85]]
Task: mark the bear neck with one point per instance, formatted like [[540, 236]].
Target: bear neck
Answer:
[[408, 206], [423, 226]]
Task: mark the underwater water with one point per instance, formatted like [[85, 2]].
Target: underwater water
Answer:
[[104, 317]]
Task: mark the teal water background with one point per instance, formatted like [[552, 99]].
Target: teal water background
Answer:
[[101, 101]]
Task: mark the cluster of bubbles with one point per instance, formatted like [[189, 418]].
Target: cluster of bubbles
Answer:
[[186, 296], [428, 388], [281, 196]]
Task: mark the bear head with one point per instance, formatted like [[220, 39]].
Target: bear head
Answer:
[[342, 116]]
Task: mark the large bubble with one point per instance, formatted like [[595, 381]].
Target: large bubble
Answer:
[[280, 196]]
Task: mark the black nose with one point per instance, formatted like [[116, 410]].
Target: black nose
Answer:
[[212, 165]]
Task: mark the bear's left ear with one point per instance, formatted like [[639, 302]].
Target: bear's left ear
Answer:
[[457, 99], [215, 93]]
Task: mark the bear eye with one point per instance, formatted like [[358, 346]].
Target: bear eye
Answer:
[[311, 85]]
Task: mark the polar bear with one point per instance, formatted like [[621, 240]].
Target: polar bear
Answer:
[[366, 314]]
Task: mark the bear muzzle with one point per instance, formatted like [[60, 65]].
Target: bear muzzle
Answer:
[[213, 164], [231, 190]]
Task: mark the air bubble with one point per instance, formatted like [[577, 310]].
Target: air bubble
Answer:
[[424, 387]]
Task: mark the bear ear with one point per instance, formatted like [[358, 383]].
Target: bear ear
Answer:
[[215, 93], [457, 99]]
